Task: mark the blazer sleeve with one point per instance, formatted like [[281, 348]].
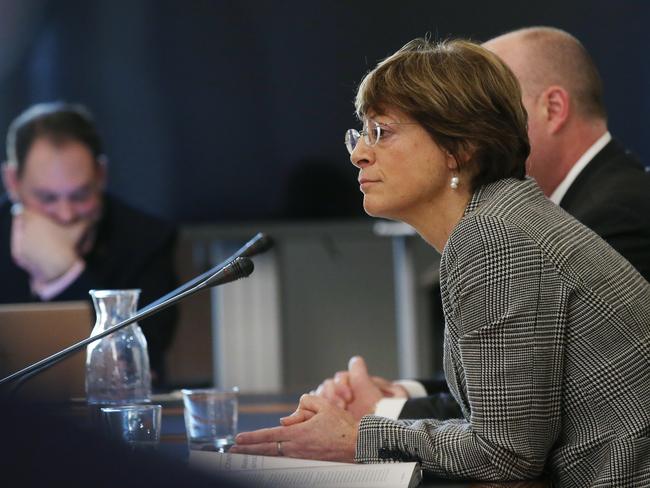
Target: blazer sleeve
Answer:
[[503, 304]]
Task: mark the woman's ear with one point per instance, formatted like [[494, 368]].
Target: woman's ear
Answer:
[[459, 161]]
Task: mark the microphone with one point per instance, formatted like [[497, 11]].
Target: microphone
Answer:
[[257, 245], [240, 267]]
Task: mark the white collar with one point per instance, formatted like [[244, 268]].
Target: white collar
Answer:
[[558, 194]]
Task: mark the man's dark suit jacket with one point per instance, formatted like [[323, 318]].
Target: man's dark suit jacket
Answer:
[[611, 196], [131, 250]]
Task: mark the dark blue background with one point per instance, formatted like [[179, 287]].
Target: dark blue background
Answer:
[[218, 111]]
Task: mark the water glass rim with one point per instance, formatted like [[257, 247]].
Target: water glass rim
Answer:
[[135, 406], [203, 391]]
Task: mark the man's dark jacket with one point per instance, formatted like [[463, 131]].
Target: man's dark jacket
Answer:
[[611, 196]]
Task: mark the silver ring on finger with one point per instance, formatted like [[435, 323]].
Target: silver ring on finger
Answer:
[[279, 448]]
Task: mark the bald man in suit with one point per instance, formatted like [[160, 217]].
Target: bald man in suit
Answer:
[[574, 158]]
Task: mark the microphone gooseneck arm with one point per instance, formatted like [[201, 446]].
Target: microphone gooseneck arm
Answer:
[[238, 268], [258, 244]]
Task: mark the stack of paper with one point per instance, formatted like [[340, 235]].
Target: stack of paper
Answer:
[[284, 471]]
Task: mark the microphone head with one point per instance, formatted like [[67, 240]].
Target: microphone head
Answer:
[[257, 245], [242, 267], [238, 268]]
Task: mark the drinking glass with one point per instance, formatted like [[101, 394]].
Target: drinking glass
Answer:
[[136, 425], [211, 418]]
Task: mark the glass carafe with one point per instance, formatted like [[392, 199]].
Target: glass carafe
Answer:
[[117, 366]]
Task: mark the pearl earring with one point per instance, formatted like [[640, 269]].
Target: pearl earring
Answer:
[[454, 182]]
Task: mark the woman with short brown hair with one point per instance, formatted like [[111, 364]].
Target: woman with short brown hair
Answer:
[[547, 335]]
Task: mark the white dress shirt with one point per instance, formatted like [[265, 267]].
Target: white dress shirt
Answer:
[[558, 194]]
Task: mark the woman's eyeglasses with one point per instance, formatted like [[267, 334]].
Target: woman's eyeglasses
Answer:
[[371, 133]]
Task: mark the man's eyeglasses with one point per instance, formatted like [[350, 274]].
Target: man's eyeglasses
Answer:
[[371, 133]]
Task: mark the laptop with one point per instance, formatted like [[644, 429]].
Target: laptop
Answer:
[[30, 332]]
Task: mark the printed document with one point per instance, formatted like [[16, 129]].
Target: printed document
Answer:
[[283, 471]]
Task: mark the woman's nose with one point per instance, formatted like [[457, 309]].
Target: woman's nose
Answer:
[[362, 155]]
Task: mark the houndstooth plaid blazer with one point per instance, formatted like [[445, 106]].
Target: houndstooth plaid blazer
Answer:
[[547, 350]]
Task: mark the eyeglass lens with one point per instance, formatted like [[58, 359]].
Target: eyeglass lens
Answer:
[[371, 133], [351, 139]]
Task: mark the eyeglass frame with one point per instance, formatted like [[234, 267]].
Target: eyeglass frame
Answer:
[[350, 133]]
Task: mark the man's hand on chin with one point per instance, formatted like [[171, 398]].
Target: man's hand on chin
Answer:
[[44, 248]]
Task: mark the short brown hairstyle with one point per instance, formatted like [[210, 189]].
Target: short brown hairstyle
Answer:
[[464, 96], [60, 122]]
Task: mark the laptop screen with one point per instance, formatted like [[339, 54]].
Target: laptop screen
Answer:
[[33, 331]]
